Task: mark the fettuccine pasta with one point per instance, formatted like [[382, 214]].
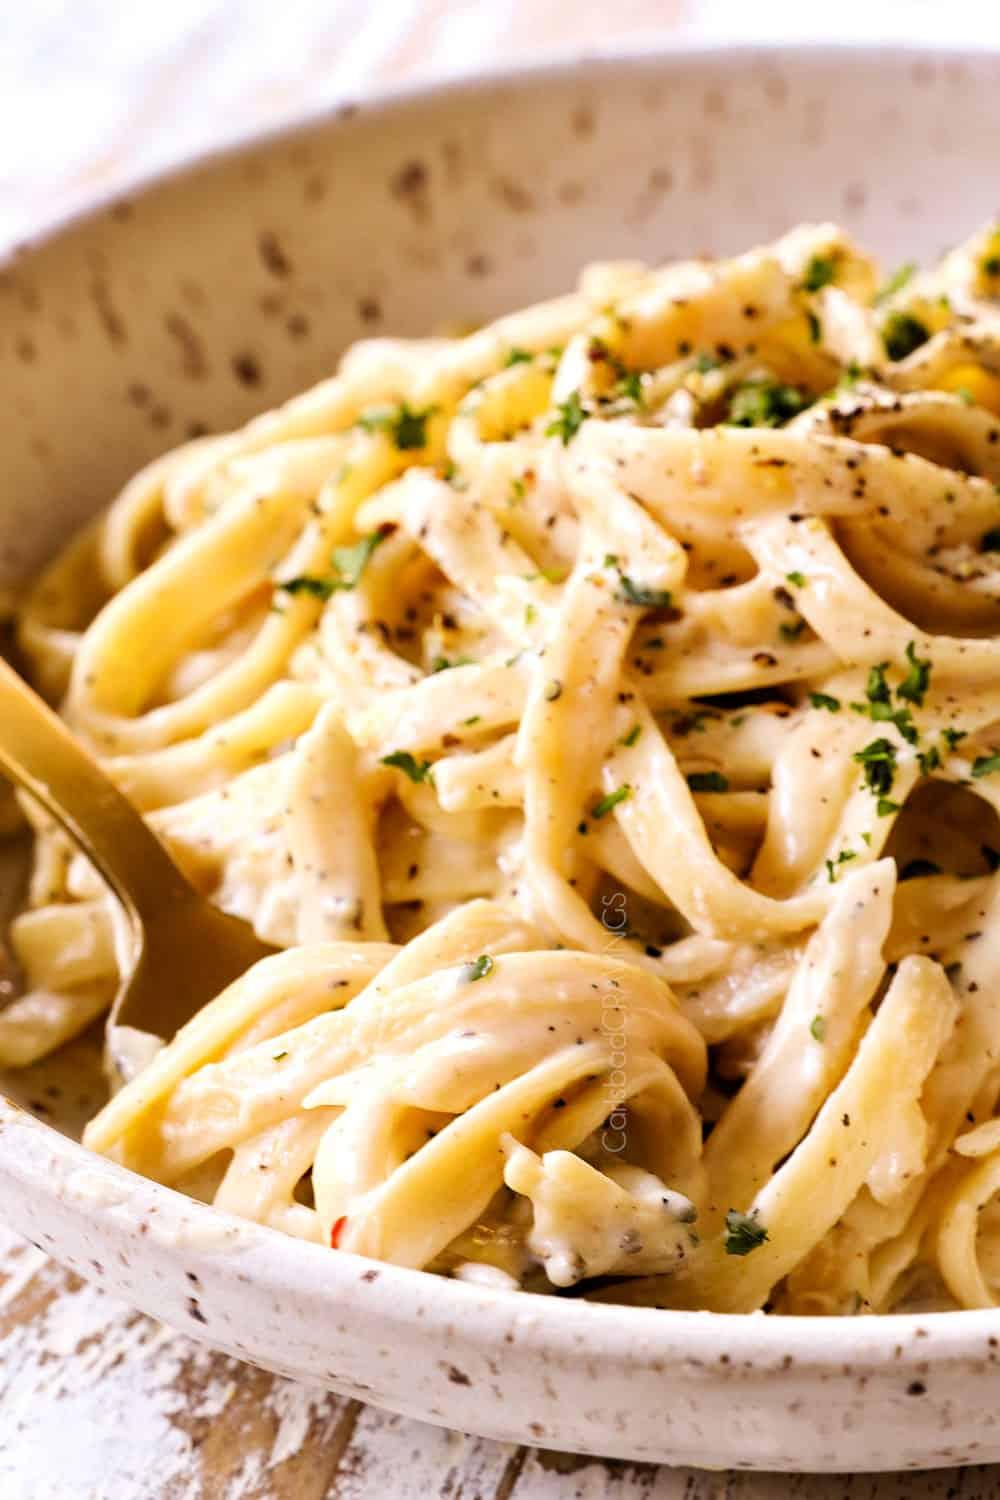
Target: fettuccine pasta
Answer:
[[602, 712]]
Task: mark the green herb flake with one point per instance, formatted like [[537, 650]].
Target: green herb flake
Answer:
[[798, 579], [707, 781], [902, 333], [633, 735], [445, 663], [603, 807], [278, 1056], [985, 765], [765, 403], [569, 421], [885, 807], [791, 631], [817, 1028], [744, 1232], [402, 760], [879, 762], [475, 719], [953, 737], [877, 688], [825, 700], [478, 969], [406, 427], [929, 760], [319, 588], [815, 327], [832, 865], [705, 363], [348, 565], [819, 273], [896, 282], [629, 592], [914, 685], [518, 357], [630, 387], [965, 395]]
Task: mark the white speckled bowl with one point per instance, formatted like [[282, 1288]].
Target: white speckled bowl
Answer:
[[222, 288]]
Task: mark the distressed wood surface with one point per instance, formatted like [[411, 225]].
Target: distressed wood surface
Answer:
[[98, 1402]]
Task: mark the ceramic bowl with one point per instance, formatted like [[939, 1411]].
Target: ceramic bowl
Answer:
[[219, 289]]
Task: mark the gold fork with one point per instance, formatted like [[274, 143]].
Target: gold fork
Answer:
[[177, 950]]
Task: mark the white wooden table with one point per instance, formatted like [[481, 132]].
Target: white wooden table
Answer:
[[98, 1402]]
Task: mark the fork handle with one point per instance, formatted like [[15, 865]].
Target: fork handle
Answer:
[[46, 759]]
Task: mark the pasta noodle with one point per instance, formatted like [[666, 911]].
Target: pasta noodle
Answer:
[[602, 712]]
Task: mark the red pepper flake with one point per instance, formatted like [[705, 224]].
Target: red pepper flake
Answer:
[[337, 1231]]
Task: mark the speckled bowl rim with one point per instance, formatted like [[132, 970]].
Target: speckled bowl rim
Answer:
[[43, 1160]]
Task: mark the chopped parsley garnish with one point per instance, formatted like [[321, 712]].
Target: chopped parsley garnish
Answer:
[[744, 1232], [348, 565], [914, 685], [902, 333], [569, 421], [765, 403], [319, 588], [876, 688], [952, 737], [799, 579], [879, 705], [965, 395], [990, 540], [815, 327], [445, 663], [832, 865], [629, 592], [918, 867], [630, 386], [416, 770], [885, 807], [407, 428], [817, 1028], [849, 377], [633, 735], [705, 363], [791, 632], [478, 969], [896, 282], [929, 760], [819, 273], [879, 762], [518, 357], [824, 700], [707, 781], [985, 765], [602, 808]]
